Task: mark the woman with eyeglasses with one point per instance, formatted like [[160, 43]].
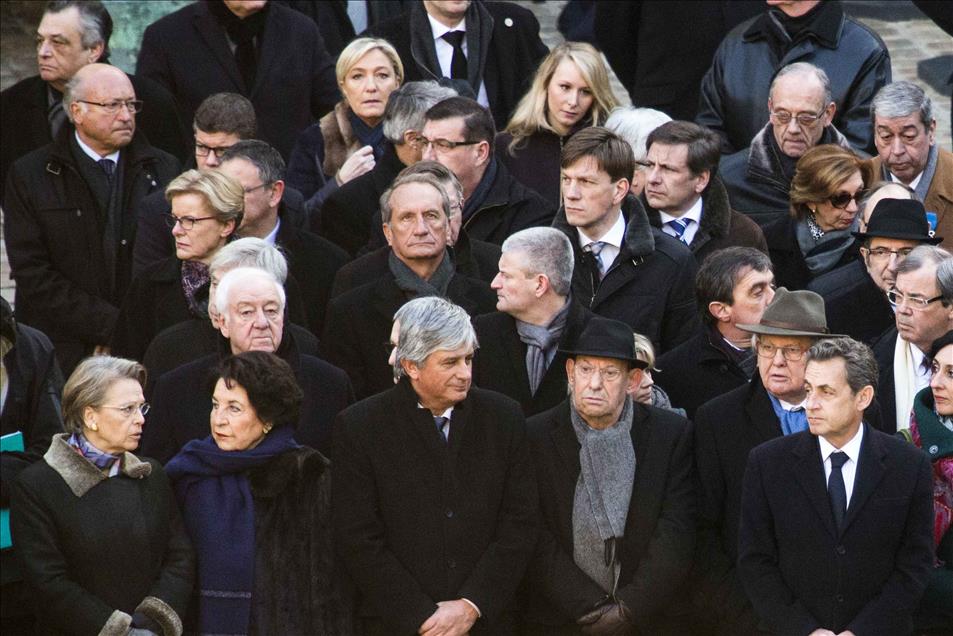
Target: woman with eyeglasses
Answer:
[[816, 238], [931, 429], [207, 209], [570, 91], [97, 529]]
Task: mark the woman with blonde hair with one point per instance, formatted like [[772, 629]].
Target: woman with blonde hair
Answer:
[[570, 91], [349, 140]]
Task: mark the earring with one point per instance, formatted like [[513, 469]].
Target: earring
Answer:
[[267, 428], [92, 426]]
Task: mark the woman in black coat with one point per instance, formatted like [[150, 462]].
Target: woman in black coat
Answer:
[[207, 209], [818, 236], [96, 528], [256, 505], [570, 91]]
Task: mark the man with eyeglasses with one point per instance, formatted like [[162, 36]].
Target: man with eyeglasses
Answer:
[[70, 214], [800, 108], [907, 152], [729, 426], [923, 314], [855, 295]]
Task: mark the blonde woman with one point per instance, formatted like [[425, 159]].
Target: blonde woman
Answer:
[[570, 91], [349, 140]]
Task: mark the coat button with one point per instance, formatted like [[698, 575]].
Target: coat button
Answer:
[[79, 212], [839, 598], [841, 550], [934, 449], [449, 513], [123, 242], [508, 22]]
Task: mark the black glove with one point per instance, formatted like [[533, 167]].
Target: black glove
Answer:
[[610, 619]]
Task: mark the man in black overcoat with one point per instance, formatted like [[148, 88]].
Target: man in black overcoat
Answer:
[[616, 499], [836, 533], [434, 498], [521, 343]]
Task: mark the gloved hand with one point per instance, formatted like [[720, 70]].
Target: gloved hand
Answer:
[[610, 619]]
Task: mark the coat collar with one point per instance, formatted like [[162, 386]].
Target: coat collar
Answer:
[[212, 33], [79, 474], [138, 150], [826, 28], [639, 241], [764, 165], [764, 423], [716, 213]]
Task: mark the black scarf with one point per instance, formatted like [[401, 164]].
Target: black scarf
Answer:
[[243, 33], [413, 285], [478, 197]]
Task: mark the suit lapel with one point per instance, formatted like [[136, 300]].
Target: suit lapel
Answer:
[[270, 42], [870, 470], [214, 37], [809, 473], [516, 360], [764, 424]]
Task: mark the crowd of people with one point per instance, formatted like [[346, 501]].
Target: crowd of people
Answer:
[[684, 367]]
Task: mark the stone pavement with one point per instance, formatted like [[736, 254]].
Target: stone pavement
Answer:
[[910, 37]]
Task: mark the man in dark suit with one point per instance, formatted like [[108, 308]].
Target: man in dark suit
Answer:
[[734, 286], [250, 304], [70, 214], [312, 260], [836, 531], [521, 343], [491, 49], [267, 52], [434, 498], [414, 210], [72, 34], [616, 498]]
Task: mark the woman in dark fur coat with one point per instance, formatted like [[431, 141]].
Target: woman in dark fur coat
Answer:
[[256, 505]]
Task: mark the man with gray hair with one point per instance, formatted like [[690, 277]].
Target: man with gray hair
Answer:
[[634, 125], [250, 303], [905, 137], [345, 217], [536, 317], [800, 107], [922, 315], [434, 499]]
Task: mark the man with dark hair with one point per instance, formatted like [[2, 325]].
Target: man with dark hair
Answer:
[[490, 49], [624, 268], [459, 133], [683, 196], [836, 533], [734, 286], [70, 219], [800, 108], [72, 34], [267, 52]]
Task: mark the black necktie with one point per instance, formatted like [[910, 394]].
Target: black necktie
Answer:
[[836, 489], [441, 423], [109, 167], [458, 66]]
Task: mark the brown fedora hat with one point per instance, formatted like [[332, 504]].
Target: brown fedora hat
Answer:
[[793, 313]]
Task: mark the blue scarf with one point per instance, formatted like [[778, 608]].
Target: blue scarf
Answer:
[[791, 421], [372, 136], [102, 461], [219, 513]]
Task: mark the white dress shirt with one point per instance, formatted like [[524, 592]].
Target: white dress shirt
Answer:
[[92, 154], [694, 213], [913, 184], [922, 372], [272, 237], [445, 52], [849, 469], [613, 240]]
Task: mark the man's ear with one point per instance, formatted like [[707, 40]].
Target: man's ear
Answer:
[[703, 180], [721, 311], [864, 397], [388, 234], [411, 370], [621, 188]]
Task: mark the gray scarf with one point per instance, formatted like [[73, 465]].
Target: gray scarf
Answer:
[[822, 253], [541, 345], [603, 492], [414, 286]]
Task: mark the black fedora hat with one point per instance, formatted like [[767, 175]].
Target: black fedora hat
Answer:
[[899, 219], [606, 338]]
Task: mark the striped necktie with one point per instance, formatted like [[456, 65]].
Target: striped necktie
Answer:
[[441, 423], [679, 226], [595, 248]]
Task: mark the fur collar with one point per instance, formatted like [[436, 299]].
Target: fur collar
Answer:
[[340, 142], [762, 163], [80, 475], [639, 241], [716, 211]]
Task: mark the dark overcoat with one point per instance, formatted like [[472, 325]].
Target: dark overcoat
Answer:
[[853, 303]]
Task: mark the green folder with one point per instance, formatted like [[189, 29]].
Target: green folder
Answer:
[[11, 442]]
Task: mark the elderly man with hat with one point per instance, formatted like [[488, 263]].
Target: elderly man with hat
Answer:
[[616, 498], [729, 426], [855, 295]]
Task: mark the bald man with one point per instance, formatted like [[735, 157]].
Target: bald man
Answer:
[[70, 213]]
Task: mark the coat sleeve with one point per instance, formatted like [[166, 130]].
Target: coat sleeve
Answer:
[[889, 611], [774, 602], [135, 325], [616, 27], [668, 556], [151, 62], [338, 345], [153, 238], [324, 85], [158, 439], [359, 534], [853, 118], [496, 575], [554, 574], [680, 321], [711, 100]]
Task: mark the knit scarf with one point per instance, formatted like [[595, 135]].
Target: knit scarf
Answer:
[[927, 430], [99, 459], [372, 136], [214, 495], [822, 250], [603, 492], [413, 285], [478, 197], [195, 276], [541, 345], [904, 381]]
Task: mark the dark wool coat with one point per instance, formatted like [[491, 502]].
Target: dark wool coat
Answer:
[[25, 125], [54, 234], [98, 550], [697, 371], [508, 207], [335, 24], [534, 162], [189, 53], [359, 323], [884, 351], [801, 572], [854, 305], [790, 268], [650, 286], [656, 549], [734, 91], [419, 520], [500, 362], [508, 50], [720, 226]]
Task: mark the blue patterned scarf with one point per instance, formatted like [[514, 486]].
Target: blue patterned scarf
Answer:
[[102, 461]]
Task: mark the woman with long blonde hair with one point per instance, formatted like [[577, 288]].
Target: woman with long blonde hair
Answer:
[[569, 91]]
